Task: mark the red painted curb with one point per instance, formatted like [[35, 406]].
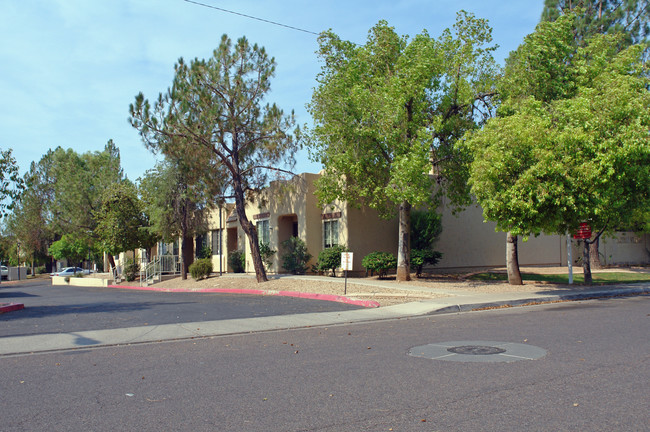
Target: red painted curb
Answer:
[[10, 307], [311, 296]]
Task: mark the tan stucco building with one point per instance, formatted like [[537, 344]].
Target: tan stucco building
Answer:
[[290, 208]]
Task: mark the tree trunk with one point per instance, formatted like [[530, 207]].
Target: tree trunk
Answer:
[[404, 245], [594, 254], [111, 260], [512, 260], [586, 267], [251, 232], [187, 252]]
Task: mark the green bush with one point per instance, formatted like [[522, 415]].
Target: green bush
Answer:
[[426, 227], [131, 270], [420, 257], [204, 252], [379, 262], [237, 261], [330, 259], [267, 255], [40, 270], [296, 257], [201, 268]]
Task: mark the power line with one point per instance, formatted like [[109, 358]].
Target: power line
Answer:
[[251, 17]]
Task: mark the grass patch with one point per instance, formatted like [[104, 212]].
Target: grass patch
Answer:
[[578, 278]]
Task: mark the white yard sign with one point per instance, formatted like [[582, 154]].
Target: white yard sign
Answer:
[[346, 261]]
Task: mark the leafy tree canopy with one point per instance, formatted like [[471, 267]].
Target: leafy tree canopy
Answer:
[[572, 150], [71, 248], [122, 224], [385, 111]]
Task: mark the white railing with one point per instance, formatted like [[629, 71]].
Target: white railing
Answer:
[[117, 274], [162, 264]]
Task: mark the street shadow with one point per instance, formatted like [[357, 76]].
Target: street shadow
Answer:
[[581, 290], [84, 341], [16, 294], [86, 308]]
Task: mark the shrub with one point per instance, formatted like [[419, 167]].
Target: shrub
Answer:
[[40, 270], [420, 257], [426, 227], [237, 261], [296, 258], [330, 259], [201, 268], [204, 252], [267, 255], [379, 262], [131, 270]]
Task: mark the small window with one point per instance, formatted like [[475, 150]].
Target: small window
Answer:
[[216, 242], [263, 232], [331, 233]]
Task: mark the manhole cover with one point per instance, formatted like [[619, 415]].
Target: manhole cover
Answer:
[[478, 351]]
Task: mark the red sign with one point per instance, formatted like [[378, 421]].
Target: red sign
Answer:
[[584, 232]]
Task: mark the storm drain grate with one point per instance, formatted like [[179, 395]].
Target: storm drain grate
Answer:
[[478, 351]]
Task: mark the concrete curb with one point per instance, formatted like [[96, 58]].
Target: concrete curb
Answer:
[[311, 296], [10, 307], [549, 298]]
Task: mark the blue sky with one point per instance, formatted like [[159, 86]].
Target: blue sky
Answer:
[[70, 68]]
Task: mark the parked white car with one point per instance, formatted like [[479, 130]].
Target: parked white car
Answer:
[[71, 271], [5, 272]]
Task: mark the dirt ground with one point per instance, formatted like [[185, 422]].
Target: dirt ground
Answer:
[[385, 291]]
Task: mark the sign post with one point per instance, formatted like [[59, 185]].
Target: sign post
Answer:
[[346, 264], [569, 258]]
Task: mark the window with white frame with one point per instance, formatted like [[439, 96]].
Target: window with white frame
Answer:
[[331, 233], [264, 232], [216, 242]]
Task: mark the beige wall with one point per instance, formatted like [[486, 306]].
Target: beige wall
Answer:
[[466, 241], [366, 232], [217, 220], [625, 248]]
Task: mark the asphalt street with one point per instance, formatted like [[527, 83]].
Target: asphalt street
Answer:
[[357, 377], [61, 308]]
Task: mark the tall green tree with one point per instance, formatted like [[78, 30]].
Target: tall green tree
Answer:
[[175, 207], [384, 111], [571, 142], [11, 183], [62, 196], [213, 118], [629, 18], [27, 223], [122, 224]]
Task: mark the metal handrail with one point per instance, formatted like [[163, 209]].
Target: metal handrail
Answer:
[[162, 264]]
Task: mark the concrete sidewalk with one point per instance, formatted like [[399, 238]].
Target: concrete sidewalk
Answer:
[[455, 302]]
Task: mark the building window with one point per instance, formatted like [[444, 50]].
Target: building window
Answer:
[[331, 233], [201, 244], [216, 242], [263, 232]]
